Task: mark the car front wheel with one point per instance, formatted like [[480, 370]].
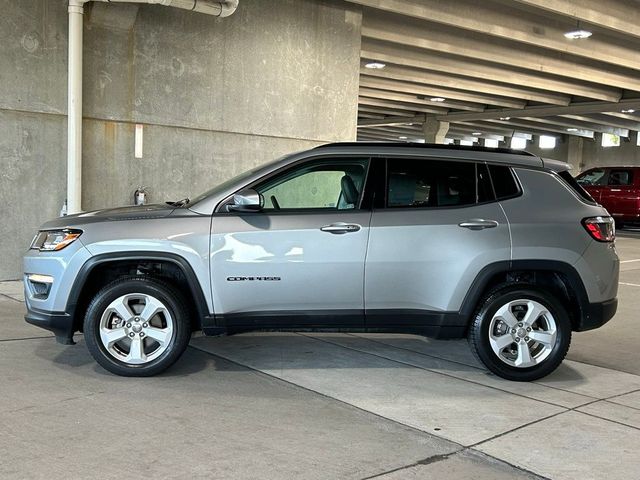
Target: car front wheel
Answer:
[[520, 333], [137, 326]]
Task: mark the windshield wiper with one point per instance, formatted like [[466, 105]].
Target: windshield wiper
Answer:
[[179, 203]]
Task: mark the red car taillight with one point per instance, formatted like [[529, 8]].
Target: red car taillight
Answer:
[[602, 229]]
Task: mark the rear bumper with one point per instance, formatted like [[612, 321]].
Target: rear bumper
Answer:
[[60, 323], [597, 314]]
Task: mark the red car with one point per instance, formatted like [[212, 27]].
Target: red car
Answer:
[[617, 189]]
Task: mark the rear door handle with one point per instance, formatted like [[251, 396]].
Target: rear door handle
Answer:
[[478, 224], [339, 228]]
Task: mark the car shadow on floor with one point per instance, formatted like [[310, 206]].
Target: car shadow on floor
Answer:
[[277, 351], [267, 352], [77, 358]]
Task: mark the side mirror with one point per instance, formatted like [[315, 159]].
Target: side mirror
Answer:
[[247, 200]]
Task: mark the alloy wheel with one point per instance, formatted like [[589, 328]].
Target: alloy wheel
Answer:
[[136, 328], [522, 333]]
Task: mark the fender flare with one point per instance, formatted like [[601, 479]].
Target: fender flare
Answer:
[[194, 284]]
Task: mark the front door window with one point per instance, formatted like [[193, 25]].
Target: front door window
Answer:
[[321, 185]]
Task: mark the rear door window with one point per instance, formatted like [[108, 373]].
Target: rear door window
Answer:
[[620, 177], [421, 183]]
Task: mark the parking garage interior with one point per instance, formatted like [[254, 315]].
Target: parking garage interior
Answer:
[[175, 101]]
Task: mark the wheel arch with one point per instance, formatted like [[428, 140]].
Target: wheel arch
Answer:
[[557, 277], [101, 269]]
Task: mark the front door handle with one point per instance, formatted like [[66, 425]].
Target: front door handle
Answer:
[[339, 228], [478, 224]]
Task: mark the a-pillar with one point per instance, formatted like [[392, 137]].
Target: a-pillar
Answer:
[[434, 130]]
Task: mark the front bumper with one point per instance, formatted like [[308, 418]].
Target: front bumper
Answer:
[[60, 323], [597, 314]]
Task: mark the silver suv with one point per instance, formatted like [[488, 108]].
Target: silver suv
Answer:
[[500, 246]]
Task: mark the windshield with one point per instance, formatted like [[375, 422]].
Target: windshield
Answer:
[[242, 177], [592, 177]]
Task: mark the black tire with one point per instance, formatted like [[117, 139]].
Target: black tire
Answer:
[[168, 295], [479, 333]]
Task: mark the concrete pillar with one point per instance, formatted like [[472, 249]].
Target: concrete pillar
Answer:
[[434, 131], [574, 153]]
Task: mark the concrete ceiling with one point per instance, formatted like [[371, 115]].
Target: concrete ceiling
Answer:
[[504, 67]]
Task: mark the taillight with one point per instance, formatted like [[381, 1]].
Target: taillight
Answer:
[[602, 229]]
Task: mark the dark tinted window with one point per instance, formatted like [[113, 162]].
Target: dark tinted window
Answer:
[[485, 192], [504, 183], [431, 183], [620, 177], [575, 186]]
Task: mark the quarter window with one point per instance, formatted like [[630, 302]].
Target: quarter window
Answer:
[[435, 183], [325, 184], [504, 183]]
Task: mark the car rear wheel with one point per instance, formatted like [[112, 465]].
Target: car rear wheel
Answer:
[[520, 333], [137, 326]]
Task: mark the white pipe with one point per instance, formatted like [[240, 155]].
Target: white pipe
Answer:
[[74, 98], [210, 7], [74, 109]]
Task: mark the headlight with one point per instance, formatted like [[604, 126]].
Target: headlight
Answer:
[[54, 240]]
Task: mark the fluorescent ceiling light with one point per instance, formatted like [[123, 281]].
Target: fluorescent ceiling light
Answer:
[[505, 118], [577, 34], [437, 99], [476, 133], [572, 129], [375, 65], [630, 110], [402, 138]]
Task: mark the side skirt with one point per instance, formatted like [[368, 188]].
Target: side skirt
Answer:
[[444, 325]]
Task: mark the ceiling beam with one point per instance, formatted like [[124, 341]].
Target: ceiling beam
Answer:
[[532, 127], [480, 127], [505, 130], [376, 102], [622, 121], [413, 99], [573, 109], [378, 136], [398, 132], [634, 117], [551, 89], [579, 123], [508, 23], [429, 91], [617, 15], [407, 31], [391, 121], [362, 114], [380, 111]]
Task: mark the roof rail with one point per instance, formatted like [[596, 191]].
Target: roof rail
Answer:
[[426, 145]]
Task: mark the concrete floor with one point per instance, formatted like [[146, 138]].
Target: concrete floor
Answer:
[[322, 406]]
